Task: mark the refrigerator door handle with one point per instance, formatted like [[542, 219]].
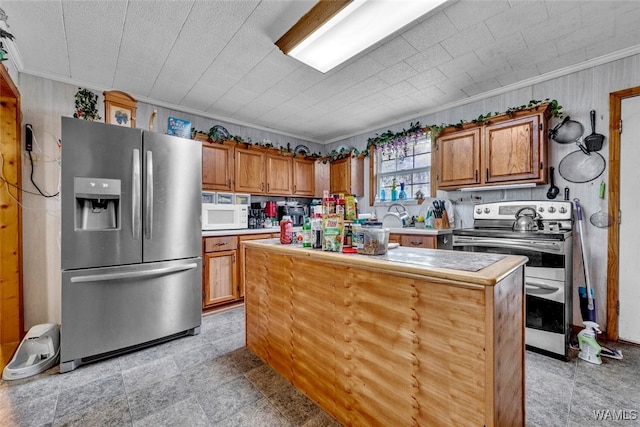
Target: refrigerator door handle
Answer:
[[135, 195], [133, 274], [149, 197]]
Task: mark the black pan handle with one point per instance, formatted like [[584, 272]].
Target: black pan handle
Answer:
[[593, 121]]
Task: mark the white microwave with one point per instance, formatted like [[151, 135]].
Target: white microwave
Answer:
[[224, 217]]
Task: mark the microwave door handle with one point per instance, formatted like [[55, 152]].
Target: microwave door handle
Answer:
[[135, 195], [148, 220]]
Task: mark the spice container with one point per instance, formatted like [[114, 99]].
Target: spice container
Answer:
[[373, 239]]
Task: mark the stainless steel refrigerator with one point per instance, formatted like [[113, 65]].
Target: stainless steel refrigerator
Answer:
[[131, 240]]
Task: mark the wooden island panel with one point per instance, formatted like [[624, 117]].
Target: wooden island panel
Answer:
[[378, 347]]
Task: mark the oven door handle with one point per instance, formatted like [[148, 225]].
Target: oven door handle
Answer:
[[535, 287], [505, 243]]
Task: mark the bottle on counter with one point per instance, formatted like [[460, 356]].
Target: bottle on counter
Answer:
[[340, 206], [394, 190], [328, 203], [286, 230], [306, 233], [403, 194], [316, 232]]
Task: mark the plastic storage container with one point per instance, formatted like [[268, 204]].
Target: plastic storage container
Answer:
[[373, 239]]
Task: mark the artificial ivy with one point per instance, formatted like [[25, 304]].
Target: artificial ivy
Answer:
[[85, 103], [485, 119]]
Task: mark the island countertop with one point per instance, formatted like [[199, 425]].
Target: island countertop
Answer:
[[470, 267], [411, 337]]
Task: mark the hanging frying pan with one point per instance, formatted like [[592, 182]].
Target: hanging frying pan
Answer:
[[580, 167], [566, 131]]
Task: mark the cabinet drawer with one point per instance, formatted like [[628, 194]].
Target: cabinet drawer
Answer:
[[417, 241], [216, 244]]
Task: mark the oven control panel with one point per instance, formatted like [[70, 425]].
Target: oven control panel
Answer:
[[545, 209]]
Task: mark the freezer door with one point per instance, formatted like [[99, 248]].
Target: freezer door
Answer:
[[113, 308], [172, 205], [101, 224]]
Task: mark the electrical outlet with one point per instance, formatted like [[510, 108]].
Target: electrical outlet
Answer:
[[34, 159]]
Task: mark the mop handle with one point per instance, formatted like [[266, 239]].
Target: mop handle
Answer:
[[585, 263]]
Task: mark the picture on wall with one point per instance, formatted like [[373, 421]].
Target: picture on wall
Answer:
[[119, 109]]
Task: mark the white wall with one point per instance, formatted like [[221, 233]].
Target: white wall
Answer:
[[578, 93]]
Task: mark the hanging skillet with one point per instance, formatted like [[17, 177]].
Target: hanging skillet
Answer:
[[566, 131], [580, 167]]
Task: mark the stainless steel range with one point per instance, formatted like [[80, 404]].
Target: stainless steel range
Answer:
[[541, 231]]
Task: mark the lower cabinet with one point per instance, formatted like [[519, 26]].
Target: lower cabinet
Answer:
[[440, 241], [223, 277], [418, 241], [220, 271]]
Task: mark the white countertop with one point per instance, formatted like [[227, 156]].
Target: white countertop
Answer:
[[243, 231], [421, 231]]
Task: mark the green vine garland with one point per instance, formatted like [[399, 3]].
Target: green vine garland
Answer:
[[390, 142]]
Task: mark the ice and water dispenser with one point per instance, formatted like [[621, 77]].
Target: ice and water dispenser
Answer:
[[97, 203]]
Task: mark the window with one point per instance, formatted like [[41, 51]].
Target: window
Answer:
[[410, 165]]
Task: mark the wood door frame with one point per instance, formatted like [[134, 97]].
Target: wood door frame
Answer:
[[613, 236], [11, 311]]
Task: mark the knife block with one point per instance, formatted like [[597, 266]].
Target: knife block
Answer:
[[442, 223]]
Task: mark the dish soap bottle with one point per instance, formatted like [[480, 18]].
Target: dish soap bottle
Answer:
[[403, 194]]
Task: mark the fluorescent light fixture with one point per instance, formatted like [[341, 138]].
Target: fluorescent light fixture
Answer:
[[334, 31]]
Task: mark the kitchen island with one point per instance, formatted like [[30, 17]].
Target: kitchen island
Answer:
[[414, 337]]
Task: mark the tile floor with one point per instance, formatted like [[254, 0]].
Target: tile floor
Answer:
[[212, 380]]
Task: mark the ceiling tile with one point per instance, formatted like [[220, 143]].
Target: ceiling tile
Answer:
[[468, 13], [571, 58], [202, 96], [399, 90], [586, 36], [519, 18], [517, 75], [553, 28], [498, 50], [397, 73], [429, 32], [481, 87], [427, 78], [468, 40], [460, 64], [530, 56], [595, 12], [393, 51], [485, 72], [429, 58]]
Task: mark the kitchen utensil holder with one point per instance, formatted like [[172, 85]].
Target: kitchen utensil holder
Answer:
[[442, 223]]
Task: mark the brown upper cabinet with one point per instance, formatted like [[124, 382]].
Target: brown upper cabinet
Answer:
[[347, 176], [217, 166], [250, 171], [304, 177], [279, 174], [509, 149]]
